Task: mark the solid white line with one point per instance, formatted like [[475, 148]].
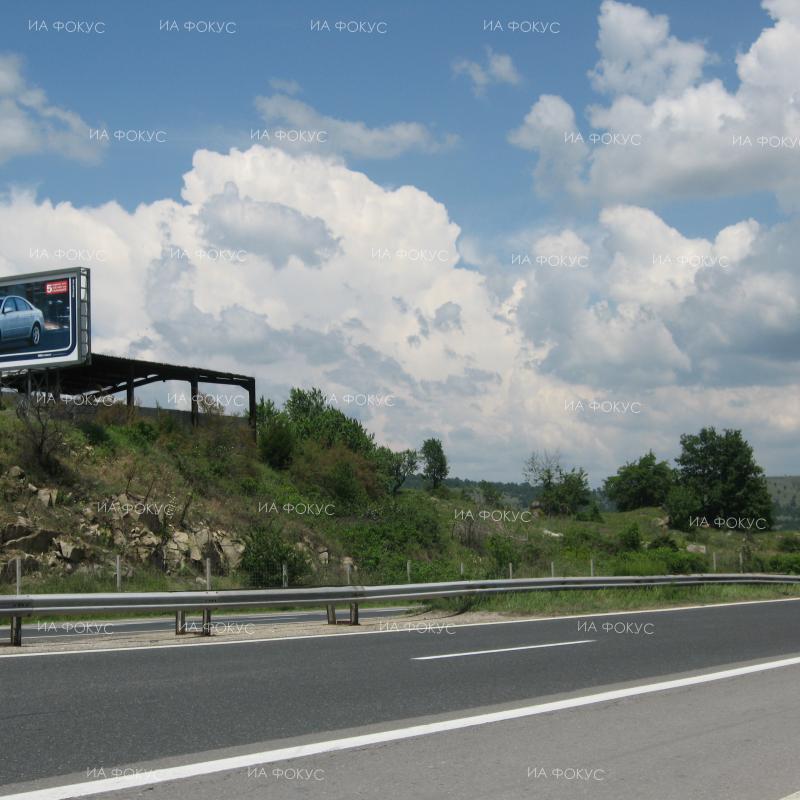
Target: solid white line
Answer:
[[395, 630], [501, 650], [167, 774], [795, 796]]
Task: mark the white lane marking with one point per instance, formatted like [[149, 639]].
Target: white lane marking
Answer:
[[396, 630], [317, 748], [795, 796], [501, 650]]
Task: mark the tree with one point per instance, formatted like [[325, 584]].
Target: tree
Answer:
[[561, 491], [436, 467], [396, 466], [43, 432], [719, 469], [641, 483]]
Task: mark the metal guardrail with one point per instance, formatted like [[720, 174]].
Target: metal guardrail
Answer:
[[18, 606]]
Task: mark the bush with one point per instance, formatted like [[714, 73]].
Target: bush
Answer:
[[630, 539], [276, 442], [408, 529], [663, 542], [787, 564], [264, 554], [96, 435], [683, 563], [681, 505], [348, 478], [503, 551], [592, 515], [789, 543]]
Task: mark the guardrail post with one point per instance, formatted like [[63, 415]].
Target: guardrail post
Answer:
[[180, 623], [330, 608], [408, 571], [206, 622], [119, 576], [354, 613], [19, 574], [284, 576], [16, 631]]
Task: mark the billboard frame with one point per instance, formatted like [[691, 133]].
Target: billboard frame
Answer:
[[82, 350]]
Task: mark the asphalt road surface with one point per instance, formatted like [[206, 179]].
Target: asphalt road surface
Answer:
[[696, 703]]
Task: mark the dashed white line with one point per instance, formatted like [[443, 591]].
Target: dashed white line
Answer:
[[501, 650]]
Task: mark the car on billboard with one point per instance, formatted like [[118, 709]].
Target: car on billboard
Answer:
[[20, 320]]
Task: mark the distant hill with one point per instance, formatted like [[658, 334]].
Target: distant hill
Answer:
[[519, 495]]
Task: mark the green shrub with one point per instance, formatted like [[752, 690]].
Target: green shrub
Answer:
[[348, 478], [786, 564], [264, 554], [631, 538], [789, 543], [276, 442], [663, 542]]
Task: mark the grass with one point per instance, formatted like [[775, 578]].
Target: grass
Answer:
[[555, 603]]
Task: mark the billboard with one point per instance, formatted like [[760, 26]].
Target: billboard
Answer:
[[44, 319]]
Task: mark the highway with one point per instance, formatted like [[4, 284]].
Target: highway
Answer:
[[681, 724]]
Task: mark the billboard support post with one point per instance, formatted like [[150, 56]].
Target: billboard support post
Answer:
[[195, 410]]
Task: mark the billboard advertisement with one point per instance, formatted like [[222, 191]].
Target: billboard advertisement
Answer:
[[44, 319]]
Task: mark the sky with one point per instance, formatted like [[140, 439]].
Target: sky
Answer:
[[567, 225]]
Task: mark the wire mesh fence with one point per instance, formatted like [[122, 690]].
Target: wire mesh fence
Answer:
[[24, 574]]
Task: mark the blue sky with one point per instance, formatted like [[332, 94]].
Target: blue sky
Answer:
[[446, 137], [200, 88]]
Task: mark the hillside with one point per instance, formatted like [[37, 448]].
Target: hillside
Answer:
[[164, 498]]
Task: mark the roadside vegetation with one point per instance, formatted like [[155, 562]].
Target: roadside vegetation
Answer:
[[314, 491]]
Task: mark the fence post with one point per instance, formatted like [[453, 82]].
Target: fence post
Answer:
[[284, 576], [208, 574], [119, 576], [591, 567], [347, 566], [408, 571], [714, 561], [19, 574], [741, 562], [510, 570], [552, 569], [462, 569]]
